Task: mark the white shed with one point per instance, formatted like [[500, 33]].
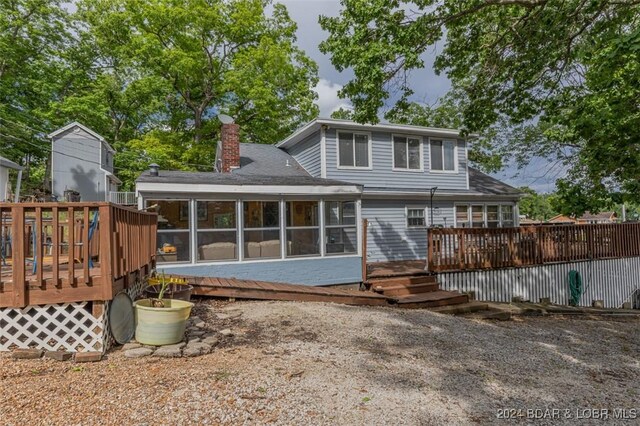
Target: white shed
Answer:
[[5, 166]]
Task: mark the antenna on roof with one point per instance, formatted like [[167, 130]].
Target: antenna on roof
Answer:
[[225, 119]]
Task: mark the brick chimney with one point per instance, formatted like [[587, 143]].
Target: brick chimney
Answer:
[[230, 147]]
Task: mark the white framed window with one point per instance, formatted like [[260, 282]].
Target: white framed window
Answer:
[[416, 217], [407, 153], [174, 230], [303, 228], [443, 154], [341, 232], [484, 215], [507, 215], [354, 150]]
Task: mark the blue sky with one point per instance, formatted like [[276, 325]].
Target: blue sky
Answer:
[[428, 86]]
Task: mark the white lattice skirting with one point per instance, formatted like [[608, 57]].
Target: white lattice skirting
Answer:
[[65, 326]]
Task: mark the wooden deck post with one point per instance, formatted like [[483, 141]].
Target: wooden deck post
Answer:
[[106, 270], [18, 254], [365, 226]]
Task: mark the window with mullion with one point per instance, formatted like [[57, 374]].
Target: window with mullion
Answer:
[[353, 150], [442, 154], [406, 153], [261, 223], [415, 217], [303, 228]]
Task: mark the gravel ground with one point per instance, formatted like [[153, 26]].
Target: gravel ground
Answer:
[[292, 363]]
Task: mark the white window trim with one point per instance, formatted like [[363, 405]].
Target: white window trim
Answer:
[[370, 142], [484, 212], [455, 156], [393, 153], [406, 217], [357, 225]]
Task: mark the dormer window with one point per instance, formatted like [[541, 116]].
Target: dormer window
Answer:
[[354, 150], [443, 155], [407, 153]]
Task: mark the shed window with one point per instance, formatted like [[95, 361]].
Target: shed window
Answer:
[[353, 150], [406, 153], [443, 155], [415, 218]]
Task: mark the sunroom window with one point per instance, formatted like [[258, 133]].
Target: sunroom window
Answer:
[[303, 229], [217, 234], [173, 239], [507, 215], [493, 216], [261, 229], [353, 150], [340, 227], [462, 216], [477, 216], [443, 155], [406, 153]]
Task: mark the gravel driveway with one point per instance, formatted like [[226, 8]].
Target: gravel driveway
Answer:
[[293, 363]]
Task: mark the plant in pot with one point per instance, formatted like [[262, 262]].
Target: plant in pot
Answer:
[[161, 321]]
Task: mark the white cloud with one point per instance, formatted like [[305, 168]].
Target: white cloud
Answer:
[[328, 100]]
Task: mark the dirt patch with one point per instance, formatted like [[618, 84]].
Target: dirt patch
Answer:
[[291, 363]]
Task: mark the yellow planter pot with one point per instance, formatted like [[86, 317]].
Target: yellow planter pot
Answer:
[[161, 326]]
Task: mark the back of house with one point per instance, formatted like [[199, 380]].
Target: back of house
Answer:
[[293, 211]]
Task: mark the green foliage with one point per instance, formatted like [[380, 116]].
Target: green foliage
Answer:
[[536, 206], [562, 75], [342, 114], [150, 77]]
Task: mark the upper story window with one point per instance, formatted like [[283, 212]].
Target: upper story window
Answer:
[[407, 153], [354, 150], [443, 155]]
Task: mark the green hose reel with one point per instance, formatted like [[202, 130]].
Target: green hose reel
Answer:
[[576, 288]]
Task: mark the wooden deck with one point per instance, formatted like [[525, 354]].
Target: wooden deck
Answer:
[[248, 289], [111, 247], [396, 268]]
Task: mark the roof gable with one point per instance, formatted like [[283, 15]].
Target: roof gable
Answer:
[[61, 131]]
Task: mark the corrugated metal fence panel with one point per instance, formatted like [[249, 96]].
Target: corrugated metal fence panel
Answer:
[[612, 280]]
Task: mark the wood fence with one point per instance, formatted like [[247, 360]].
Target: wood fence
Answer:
[[487, 248], [69, 252]]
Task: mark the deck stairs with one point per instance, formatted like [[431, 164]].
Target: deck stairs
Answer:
[[415, 290]]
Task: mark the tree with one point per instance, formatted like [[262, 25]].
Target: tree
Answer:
[[565, 73], [215, 56], [536, 206]]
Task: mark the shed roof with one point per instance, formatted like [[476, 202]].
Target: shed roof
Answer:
[[9, 164]]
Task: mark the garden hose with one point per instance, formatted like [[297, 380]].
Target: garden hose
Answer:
[[575, 287]]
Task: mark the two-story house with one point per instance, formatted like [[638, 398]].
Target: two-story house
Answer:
[[293, 212], [81, 161]]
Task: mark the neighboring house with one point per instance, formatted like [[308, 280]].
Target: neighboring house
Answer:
[[587, 218], [7, 165], [293, 211], [81, 161]]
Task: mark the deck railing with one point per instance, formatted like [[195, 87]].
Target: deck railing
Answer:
[[64, 252], [487, 248], [124, 198]]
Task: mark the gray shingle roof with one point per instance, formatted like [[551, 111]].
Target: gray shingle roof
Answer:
[[267, 160], [485, 184], [213, 178]]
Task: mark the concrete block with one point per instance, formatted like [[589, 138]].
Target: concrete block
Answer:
[[138, 352]]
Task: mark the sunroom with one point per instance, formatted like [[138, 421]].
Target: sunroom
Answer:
[[226, 225]]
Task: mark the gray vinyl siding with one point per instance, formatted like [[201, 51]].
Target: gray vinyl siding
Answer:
[[389, 238], [75, 164], [382, 174], [307, 154]]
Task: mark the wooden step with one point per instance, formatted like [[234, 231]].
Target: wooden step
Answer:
[[397, 281], [405, 290], [431, 299], [461, 309]]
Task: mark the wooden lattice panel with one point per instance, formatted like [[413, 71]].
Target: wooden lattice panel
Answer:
[[66, 326]]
